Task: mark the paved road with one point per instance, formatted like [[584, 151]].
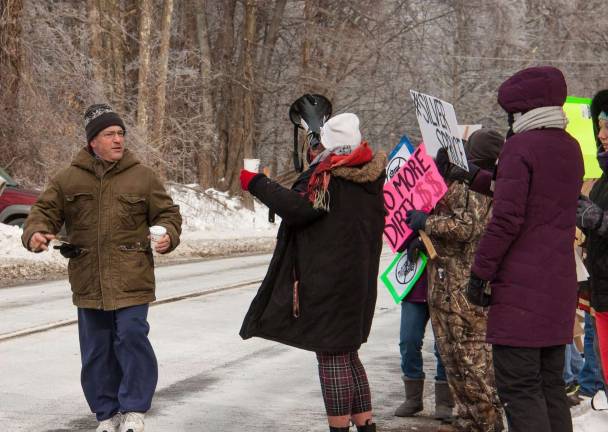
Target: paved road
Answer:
[[210, 380]]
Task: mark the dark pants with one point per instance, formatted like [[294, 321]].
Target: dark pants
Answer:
[[414, 317], [119, 369], [531, 387]]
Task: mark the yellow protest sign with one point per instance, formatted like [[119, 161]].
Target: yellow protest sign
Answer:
[[580, 126]]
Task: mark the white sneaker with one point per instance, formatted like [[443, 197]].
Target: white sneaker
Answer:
[[132, 422], [599, 402], [110, 425]]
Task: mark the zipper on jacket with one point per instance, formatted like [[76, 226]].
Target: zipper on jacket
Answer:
[[99, 238]]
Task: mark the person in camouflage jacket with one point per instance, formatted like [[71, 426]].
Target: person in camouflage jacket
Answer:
[[455, 227]]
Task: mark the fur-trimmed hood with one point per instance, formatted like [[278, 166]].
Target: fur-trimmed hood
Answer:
[[369, 172]]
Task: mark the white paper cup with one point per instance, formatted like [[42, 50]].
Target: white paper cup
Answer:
[[252, 165], [157, 232]]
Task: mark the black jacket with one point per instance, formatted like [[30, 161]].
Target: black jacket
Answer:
[[596, 244], [335, 256], [597, 251]]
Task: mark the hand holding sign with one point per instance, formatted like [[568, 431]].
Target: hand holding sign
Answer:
[[416, 186]]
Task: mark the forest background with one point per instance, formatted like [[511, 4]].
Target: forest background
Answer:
[[202, 84]]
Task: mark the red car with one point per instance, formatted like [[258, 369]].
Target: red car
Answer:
[[15, 202]]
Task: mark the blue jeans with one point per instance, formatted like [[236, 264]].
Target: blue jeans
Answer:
[[414, 317], [589, 377], [119, 370], [573, 363]]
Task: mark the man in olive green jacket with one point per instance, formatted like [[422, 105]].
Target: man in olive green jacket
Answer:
[[108, 200]]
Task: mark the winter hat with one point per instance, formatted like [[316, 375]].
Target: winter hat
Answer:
[[599, 104], [97, 117], [483, 147], [532, 88], [341, 130]]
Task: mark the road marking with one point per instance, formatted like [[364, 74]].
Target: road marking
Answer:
[[64, 323]]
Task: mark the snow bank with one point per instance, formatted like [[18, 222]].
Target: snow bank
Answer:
[[214, 224], [214, 214]]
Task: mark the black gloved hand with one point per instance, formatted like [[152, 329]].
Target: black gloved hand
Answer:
[[478, 291], [416, 220], [414, 248], [442, 160], [458, 174], [451, 172], [68, 250], [588, 214]]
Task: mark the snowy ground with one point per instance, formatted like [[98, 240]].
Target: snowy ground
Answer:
[[214, 224]]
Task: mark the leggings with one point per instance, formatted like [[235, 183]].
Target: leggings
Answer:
[[344, 384], [601, 344]]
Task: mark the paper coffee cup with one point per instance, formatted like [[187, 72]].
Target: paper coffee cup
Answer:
[[252, 165], [157, 232]]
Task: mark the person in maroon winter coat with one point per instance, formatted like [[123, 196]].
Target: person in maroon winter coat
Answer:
[[527, 255]]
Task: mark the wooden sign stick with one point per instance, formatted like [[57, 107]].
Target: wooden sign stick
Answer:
[[428, 244]]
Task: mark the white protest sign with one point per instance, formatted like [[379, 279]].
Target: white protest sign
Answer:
[[402, 274], [439, 128], [400, 154]]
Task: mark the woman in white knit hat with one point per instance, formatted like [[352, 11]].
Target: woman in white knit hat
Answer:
[[320, 290]]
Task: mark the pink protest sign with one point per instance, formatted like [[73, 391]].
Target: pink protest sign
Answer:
[[416, 186]]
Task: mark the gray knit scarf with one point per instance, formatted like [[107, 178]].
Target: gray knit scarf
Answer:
[[539, 118]]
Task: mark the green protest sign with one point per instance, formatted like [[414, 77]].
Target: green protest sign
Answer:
[[580, 126], [401, 275]]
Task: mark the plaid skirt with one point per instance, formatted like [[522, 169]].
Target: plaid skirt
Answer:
[[344, 384]]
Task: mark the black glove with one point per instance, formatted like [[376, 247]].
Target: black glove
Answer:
[[416, 220], [451, 172], [588, 214], [414, 248], [68, 250], [478, 291], [442, 160]]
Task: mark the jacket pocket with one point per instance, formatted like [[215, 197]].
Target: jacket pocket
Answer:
[[79, 209], [80, 273], [132, 210], [136, 269]]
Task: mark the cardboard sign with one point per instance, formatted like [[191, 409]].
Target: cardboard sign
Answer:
[[439, 128], [401, 275], [398, 156], [416, 186], [580, 126]]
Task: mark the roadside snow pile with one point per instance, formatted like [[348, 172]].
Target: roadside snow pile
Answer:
[[213, 214], [214, 224]]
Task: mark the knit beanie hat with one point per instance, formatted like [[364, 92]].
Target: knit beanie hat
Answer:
[[341, 130], [97, 117], [483, 147]]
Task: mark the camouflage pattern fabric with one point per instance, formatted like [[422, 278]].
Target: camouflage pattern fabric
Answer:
[[455, 228]]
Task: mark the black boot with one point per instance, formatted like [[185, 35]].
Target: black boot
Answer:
[[339, 429], [367, 427]]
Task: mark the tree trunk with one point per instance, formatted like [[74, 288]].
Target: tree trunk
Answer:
[[208, 143], [223, 94], [241, 142], [96, 47], [144, 68], [161, 88], [117, 34], [11, 59]]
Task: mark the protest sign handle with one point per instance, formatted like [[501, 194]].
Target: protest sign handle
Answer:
[[428, 244]]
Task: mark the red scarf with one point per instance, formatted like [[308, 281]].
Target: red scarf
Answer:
[[319, 181]]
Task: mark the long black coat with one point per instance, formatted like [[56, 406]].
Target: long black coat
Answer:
[[335, 256], [597, 251]]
